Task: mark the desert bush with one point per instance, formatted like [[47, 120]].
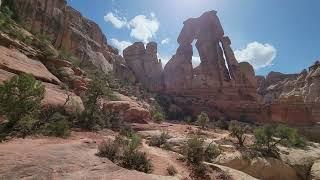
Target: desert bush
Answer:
[[222, 124], [188, 120], [159, 141], [124, 151], [93, 117], [57, 125], [109, 149], [158, 117], [238, 131], [20, 101], [172, 171], [268, 137], [211, 152], [203, 120], [199, 171], [196, 152]]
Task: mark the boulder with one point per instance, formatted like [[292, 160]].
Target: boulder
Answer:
[[54, 95], [128, 111], [315, 171], [261, 168], [16, 62]]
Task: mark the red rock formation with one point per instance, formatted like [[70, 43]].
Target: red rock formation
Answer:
[[219, 85], [294, 99], [67, 29], [145, 65]]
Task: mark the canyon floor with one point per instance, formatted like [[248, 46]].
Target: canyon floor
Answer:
[[39, 157]]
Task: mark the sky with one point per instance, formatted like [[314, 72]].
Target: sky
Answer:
[[273, 35]]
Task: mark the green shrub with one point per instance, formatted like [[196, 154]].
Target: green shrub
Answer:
[[57, 125], [159, 141], [268, 137], [203, 119], [196, 152], [188, 120], [193, 150], [222, 124], [158, 117], [199, 171], [124, 151], [20, 101], [238, 131], [136, 160], [109, 149], [93, 117], [172, 171], [211, 152]]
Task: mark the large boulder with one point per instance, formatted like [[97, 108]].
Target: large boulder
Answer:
[[128, 110], [16, 62], [13, 63], [315, 171], [262, 168]]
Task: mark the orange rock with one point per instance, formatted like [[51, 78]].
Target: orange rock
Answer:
[[16, 62]]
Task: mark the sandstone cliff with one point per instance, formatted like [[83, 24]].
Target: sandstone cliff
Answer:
[[295, 98], [219, 85], [68, 30]]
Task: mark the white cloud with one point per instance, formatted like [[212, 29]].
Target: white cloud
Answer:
[[257, 54], [196, 61], [117, 22], [144, 28], [165, 41], [120, 45]]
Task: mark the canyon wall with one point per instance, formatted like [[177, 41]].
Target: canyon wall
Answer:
[[68, 30], [293, 98]]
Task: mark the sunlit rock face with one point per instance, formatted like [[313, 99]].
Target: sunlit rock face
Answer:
[[68, 30], [295, 98], [145, 65], [219, 85]]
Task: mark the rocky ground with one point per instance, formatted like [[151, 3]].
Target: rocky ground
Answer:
[[75, 158]]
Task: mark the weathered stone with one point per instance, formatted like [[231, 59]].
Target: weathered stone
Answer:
[[293, 99], [16, 62], [128, 111], [214, 86], [67, 29], [54, 95], [145, 64]]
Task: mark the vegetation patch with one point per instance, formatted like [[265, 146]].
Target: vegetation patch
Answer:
[[124, 152], [269, 137]]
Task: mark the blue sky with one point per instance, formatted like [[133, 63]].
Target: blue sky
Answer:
[[274, 35]]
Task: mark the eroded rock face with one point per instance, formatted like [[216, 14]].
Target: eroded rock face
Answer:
[[293, 99], [13, 62], [128, 110], [16, 62], [145, 65], [219, 81], [68, 30]]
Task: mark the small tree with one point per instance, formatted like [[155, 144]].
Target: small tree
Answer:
[[158, 117], [93, 117], [20, 100], [238, 131], [203, 119], [268, 137]]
